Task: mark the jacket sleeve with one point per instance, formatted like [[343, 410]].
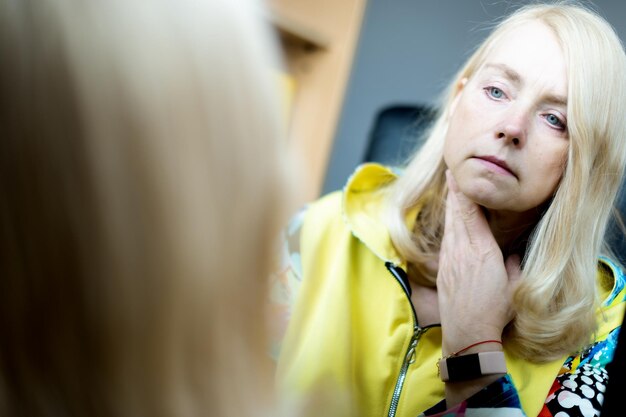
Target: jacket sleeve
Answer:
[[578, 390], [285, 283], [497, 399]]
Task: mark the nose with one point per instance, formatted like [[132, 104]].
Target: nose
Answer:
[[513, 130]]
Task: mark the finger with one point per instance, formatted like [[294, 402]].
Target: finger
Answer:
[[457, 224], [462, 236], [469, 213], [448, 226], [452, 185]]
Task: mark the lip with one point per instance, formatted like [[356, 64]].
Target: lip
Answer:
[[493, 160]]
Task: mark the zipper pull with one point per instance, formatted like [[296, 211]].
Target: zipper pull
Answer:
[[410, 354], [409, 359]]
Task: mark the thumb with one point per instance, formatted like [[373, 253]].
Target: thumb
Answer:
[[469, 212]]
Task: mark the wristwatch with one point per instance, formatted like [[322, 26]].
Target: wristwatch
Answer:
[[472, 366]]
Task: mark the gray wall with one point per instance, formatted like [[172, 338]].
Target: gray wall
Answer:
[[407, 52]]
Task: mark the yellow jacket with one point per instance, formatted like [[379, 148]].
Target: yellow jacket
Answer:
[[352, 329]]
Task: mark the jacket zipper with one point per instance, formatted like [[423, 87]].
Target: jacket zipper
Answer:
[[409, 357]]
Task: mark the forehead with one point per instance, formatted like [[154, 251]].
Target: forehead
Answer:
[[531, 50]]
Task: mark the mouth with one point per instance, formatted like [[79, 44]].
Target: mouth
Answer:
[[496, 164]]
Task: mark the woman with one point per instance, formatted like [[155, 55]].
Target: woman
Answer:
[[473, 282], [122, 220]]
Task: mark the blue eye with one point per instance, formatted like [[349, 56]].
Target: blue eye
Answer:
[[555, 121], [495, 92]]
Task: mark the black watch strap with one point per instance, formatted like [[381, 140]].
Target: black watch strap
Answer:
[[472, 366]]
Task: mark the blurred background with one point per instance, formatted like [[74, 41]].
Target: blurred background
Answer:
[[347, 60]]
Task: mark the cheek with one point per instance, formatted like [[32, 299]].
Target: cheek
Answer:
[[455, 138], [555, 162], [452, 151], [448, 157], [550, 170]]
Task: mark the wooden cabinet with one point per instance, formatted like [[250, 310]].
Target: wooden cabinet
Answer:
[[319, 38]]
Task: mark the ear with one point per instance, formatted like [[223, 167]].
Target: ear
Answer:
[[459, 89]]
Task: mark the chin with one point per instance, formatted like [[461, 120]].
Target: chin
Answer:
[[486, 195], [490, 203]]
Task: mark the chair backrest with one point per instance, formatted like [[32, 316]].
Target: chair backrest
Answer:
[[398, 132]]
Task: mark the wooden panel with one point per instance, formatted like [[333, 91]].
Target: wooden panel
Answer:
[[295, 30], [321, 69]]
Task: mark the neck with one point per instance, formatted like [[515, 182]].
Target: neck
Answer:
[[510, 228]]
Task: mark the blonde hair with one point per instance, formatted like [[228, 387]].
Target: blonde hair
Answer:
[[556, 300], [141, 187]]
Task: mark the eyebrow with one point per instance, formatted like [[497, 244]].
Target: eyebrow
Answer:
[[509, 72], [516, 78]]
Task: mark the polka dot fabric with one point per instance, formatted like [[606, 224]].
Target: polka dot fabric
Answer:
[[579, 394], [579, 389]]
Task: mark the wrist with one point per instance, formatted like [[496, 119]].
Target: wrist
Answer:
[[476, 360], [455, 340], [472, 346]]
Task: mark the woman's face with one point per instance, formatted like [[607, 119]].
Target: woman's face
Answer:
[[507, 138]]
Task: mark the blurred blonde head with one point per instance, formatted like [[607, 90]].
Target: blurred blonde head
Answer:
[[142, 184], [556, 301]]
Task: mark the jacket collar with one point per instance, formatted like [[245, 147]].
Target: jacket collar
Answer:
[[364, 206], [364, 209]]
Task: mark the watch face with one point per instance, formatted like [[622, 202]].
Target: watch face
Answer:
[[462, 368]]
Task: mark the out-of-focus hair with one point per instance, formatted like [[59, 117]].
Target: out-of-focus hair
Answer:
[[142, 182], [556, 300]]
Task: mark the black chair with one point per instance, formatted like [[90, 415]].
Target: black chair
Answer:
[[397, 134]]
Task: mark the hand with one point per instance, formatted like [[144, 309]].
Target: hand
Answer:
[[474, 284]]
